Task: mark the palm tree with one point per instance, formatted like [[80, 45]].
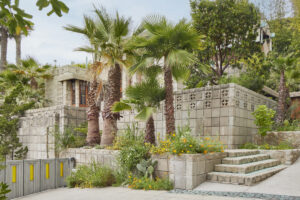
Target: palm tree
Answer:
[[145, 97], [107, 36], [283, 66], [31, 76], [4, 41], [169, 45], [111, 35], [88, 31]]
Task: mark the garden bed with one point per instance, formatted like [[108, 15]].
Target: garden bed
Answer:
[[188, 170]]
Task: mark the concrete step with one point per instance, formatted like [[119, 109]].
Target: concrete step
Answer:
[[244, 179], [245, 159], [240, 152], [248, 167]]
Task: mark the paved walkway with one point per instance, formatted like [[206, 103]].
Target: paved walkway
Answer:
[[286, 182], [117, 193]]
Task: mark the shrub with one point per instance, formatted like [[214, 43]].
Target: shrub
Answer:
[[289, 126], [263, 119], [183, 143], [93, 175], [150, 184], [4, 190]]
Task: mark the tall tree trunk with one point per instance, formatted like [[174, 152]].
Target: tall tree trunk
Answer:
[[18, 48], [93, 136], [112, 95], [282, 103], [4, 40], [150, 131], [169, 107]]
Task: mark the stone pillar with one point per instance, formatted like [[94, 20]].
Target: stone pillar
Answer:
[[77, 93], [64, 93]]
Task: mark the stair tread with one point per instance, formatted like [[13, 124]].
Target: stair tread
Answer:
[[252, 174], [245, 157], [241, 152], [248, 164]]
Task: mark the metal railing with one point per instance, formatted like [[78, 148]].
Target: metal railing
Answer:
[[26, 177]]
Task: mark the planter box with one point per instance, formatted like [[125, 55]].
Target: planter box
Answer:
[[188, 170]]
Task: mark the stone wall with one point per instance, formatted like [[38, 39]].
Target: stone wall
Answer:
[[38, 126], [222, 112], [87, 156], [274, 138], [287, 157], [188, 170]]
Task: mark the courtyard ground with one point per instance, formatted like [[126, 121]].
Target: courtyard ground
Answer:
[[117, 193]]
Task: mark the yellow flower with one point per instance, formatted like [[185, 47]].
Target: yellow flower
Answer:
[[205, 152], [191, 145], [174, 135], [174, 151], [207, 138], [184, 140], [150, 186], [188, 151], [129, 176], [222, 151]]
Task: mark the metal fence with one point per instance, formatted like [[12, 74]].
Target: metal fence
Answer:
[[26, 177]]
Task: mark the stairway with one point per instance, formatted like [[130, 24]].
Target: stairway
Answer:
[[245, 167]]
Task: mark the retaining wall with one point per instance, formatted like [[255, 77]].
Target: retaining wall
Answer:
[[287, 157], [26, 177], [188, 170], [37, 127], [274, 138]]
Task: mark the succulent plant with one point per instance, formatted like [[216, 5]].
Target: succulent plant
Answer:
[[146, 168]]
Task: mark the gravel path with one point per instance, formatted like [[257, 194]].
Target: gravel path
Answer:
[[117, 193]]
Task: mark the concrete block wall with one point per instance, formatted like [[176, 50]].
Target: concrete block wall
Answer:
[[87, 156], [38, 126], [222, 112], [188, 170], [54, 88]]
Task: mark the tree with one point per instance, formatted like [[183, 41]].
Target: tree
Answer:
[[229, 30], [145, 98], [13, 20], [281, 65], [93, 136], [107, 37], [169, 46], [10, 111], [31, 76]]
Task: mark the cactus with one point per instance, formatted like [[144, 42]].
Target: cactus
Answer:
[[146, 168]]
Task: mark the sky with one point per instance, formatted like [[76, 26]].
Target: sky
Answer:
[[49, 41]]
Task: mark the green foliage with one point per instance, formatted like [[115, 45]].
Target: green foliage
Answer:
[[282, 146], [229, 29], [16, 19], [93, 175], [67, 139], [82, 128], [263, 119], [129, 137], [146, 168], [10, 111], [146, 183], [183, 143], [4, 190], [294, 125]]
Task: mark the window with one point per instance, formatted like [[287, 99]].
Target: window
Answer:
[[83, 93], [73, 92]]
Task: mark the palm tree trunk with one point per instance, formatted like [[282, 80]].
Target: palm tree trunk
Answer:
[[4, 40], [150, 131], [93, 136], [18, 48], [169, 107], [282, 104], [112, 95]]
